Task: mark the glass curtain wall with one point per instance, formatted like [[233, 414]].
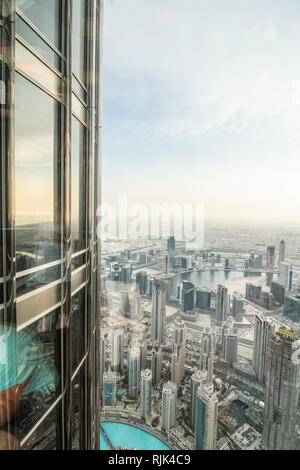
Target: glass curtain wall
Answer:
[[50, 124]]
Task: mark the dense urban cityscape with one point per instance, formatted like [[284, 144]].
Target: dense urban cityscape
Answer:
[[200, 348]]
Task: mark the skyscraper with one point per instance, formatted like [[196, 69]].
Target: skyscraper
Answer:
[[117, 350], [203, 298], [284, 274], [141, 280], [136, 307], [230, 345], [262, 332], [281, 255], [270, 257], [207, 352], [188, 300], [169, 406], [206, 417], [187, 295], [158, 310], [50, 140], [125, 304], [178, 353], [237, 308], [156, 362], [278, 291], [282, 391], [253, 292], [134, 370], [197, 378], [109, 388], [165, 263], [142, 344], [222, 303], [171, 250], [146, 396]]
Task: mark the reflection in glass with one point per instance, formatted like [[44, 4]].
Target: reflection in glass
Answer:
[[75, 413], [44, 14], [44, 437], [29, 375], [29, 64], [78, 109], [37, 279], [78, 261], [79, 90], [23, 30], [37, 223], [78, 186], [79, 39], [78, 328]]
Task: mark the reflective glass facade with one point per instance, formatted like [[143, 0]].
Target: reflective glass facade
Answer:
[[50, 60]]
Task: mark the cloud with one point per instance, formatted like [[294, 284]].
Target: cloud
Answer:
[[253, 31], [165, 16], [271, 33], [220, 35]]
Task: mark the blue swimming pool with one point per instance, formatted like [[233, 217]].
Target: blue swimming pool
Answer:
[[129, 436]]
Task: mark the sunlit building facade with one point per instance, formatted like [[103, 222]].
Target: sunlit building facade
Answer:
[[134, 371], [158, 310], [146, 393], [282, 391], [206, 417], [50, 144], [169, 406]]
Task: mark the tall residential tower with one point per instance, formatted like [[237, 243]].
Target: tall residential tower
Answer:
[[206, 417], [158, 310], [169, 406], [282, 391]]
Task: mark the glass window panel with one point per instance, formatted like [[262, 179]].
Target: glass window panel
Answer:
[[32, 66], [45, 15], [78, 261], [78, 220], [23, 30], [40, 358], [79, 39], [75, 413], [44, 437], [5, 142], [78, 328], [78, 89], [37, 279], [36, 198], [1, 293], [29, 371], [79, 109]]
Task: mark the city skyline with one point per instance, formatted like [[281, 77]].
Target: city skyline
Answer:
[[214, 336]]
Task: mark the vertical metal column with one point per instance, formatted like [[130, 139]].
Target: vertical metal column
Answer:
[[7, 265], [7, 240], [90, 305], [64, 431], [97, 193]]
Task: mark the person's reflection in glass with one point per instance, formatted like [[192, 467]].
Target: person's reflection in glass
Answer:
[[24, 368]]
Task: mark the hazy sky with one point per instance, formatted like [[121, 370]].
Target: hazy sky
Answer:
[[202, 105]]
